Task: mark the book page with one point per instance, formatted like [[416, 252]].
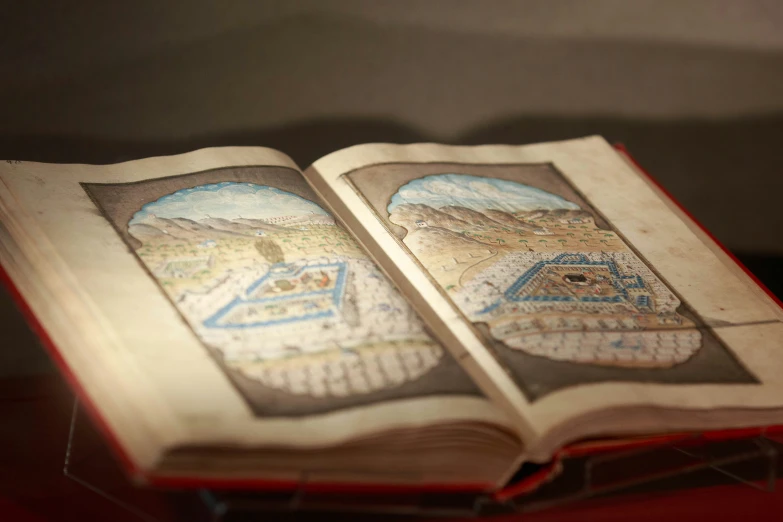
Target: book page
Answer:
[[221, 304], [567, 268]]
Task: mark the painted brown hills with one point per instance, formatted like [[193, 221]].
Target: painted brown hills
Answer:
[[489, 218], [257, 224], [508, 220], [188, 229], [156, 227], [558, 213], [200, 228], [435, 240], [458, 219], [407, 214], [142, 230], [473, 217], [227, 225], [445, 227]]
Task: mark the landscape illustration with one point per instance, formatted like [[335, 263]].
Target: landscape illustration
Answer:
[[283, 294], [540, 273]]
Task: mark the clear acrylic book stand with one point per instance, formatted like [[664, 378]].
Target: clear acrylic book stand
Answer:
[[752, 462]]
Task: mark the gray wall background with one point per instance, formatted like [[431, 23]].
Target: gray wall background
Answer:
[[693, 88]]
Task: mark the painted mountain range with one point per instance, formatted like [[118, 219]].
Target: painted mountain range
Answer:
[[152, 226]]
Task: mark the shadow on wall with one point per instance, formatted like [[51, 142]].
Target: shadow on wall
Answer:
[[112, 91], [276, 70]]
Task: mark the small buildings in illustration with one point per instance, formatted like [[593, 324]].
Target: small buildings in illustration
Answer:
[[281, 220], [670, 319], [296, 295], [207, 243], [299, 220], [543, 232], [420, 223], [260, 233], [571, 282], [182, 267]]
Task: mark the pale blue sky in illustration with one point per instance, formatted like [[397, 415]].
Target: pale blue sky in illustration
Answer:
[[228, 200], [476, 193]]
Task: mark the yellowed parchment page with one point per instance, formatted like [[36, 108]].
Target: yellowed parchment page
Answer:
[[209, 299], [571, 288]]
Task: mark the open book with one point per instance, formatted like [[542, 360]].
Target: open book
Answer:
[[412, 315]]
